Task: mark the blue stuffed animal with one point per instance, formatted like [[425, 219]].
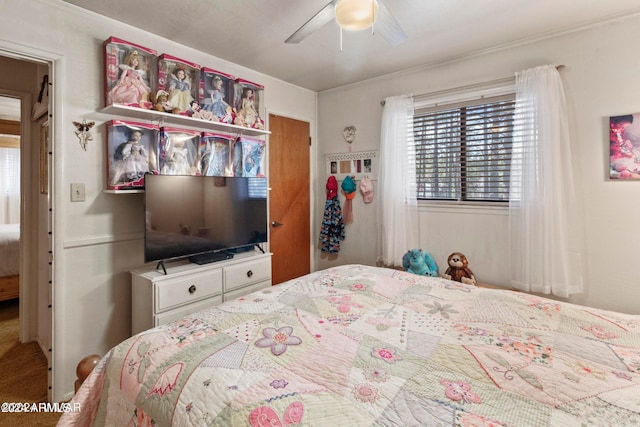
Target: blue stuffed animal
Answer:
[[418, 262]]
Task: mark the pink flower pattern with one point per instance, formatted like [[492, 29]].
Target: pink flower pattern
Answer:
[[343, 303], [366, 393], [599, 332], [265, 416], [459, 391], [359, 287], [466, 419], [387, 354]]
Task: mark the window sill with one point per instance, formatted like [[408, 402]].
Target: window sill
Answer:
[[473, 208]]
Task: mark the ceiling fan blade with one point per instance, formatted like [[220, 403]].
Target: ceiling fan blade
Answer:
[[318, 20], [387, 26]]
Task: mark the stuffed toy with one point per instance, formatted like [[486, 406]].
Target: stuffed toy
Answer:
[[459, 270], [161, 103], [418, 262]]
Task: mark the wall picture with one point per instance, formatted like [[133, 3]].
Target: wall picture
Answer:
[[355, 164], [624, 146]]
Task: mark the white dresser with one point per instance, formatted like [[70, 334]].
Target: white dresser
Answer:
[[187, 288]]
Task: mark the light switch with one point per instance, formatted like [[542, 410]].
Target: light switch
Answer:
[[77, 192]]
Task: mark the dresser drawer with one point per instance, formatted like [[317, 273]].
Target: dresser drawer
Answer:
[[192, 287], [241, 275], [171, 315], [246, 290]]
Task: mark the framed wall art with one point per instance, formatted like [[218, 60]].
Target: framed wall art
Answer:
[[624, 147], [356, 164]]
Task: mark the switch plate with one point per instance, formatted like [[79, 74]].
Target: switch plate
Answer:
[[77, 192]]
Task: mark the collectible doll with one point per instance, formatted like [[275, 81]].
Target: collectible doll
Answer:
[[247, 113], [180, 90], [253, 158], [215, 161], [131, 160], [177, 162], [131, 87], [216, 103]]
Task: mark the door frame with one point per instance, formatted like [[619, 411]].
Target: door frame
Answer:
[[313, 156], [29, 213]]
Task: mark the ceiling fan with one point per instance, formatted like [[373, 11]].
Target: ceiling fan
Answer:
[[354, 15]]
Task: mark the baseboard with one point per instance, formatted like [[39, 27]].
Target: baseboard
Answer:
[[44, 350]]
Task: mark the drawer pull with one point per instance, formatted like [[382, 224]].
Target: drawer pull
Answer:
[[249, 273], [192, 289]]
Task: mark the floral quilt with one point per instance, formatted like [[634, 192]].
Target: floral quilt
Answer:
[[365, 346]]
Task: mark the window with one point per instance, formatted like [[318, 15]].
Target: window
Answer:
[[463, 150], [257, 188]]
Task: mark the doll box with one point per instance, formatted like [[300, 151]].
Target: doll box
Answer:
[[131, 152], [178, 151], [249, 157], [215, 154], [248, 103], [181, 80], [216, 94], [129, 73]]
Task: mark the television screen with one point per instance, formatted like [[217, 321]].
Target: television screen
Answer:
[[192, 215]]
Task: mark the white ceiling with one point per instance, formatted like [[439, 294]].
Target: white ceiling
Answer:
[[251, 33]]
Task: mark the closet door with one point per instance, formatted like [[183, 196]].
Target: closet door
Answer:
[[289, 205]]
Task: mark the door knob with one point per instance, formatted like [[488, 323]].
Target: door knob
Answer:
[[276, 224]]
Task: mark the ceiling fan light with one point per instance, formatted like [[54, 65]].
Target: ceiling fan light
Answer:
[[356, 14]]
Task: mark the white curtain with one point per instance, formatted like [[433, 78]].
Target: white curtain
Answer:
[[9, 185], [397, 181], [545, 256]]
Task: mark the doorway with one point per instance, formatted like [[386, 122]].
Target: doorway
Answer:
[[289, 199], [10, 141], [36, 232]]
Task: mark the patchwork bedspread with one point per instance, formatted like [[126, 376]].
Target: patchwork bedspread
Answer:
[[365, 346]]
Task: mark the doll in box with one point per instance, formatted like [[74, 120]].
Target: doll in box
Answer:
[[252, 157], [180, 90], [247, 114], [216, 103], [215, 161], [177, 162], [131, 87], [131, 160]]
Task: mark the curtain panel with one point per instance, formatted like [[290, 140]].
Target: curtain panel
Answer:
[[10, 185], [397, 181], [545, 258]]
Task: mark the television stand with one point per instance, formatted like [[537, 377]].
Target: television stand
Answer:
[[208, 258]]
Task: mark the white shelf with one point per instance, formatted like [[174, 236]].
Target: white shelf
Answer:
[[136, 191], [177, 119]]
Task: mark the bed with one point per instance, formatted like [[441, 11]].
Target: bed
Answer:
[[9, 261], [358, 346]]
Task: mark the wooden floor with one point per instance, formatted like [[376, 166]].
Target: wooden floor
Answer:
[[24, 372]]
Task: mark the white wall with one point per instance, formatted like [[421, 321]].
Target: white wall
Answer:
[[601, 80], [98, 241]]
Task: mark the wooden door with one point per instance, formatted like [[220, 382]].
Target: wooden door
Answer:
[[289, 199]]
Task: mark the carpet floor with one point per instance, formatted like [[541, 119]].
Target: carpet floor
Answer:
[[23, 370]]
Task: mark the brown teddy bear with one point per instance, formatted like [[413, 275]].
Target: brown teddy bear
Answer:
[[459, 270], [161, 103]]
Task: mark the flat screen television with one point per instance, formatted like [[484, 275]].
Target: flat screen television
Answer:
[[203, 218]]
